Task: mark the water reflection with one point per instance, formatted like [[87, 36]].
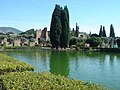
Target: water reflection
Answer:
[[59, 63]]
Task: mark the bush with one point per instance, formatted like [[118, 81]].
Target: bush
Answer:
[[94, 41], [9, 64], [118, 42], [73, 41], [44, 81]]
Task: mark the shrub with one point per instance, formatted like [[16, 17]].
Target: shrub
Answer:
[[118, 42], [44, 81], [94, 41], [9, 64]]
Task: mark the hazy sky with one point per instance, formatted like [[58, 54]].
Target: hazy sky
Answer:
[[89, 14]]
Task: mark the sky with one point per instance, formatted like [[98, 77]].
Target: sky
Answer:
[[89, 14]]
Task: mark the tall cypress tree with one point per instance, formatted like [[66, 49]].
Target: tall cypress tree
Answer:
[[59, 29], [77, 30], [56, 27], [63, 40], [67, 29], [112, 33], [104, 32], [101, 32]]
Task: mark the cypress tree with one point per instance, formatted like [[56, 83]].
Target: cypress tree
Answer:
[[56, 27], [59, 29], [101, 31], [104, 32], [63, 40], [65, 28], [73, 32], [77, 30], [112, 33]]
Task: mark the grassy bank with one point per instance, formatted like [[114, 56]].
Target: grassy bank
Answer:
[[43, 81], [9, 64]]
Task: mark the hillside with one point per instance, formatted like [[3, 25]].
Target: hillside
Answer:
[[9, 29]]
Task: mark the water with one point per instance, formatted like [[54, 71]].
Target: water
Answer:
[[101, 68]]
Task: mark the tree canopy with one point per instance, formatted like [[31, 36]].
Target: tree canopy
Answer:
[[101, 31], [104, 32], [112, 33], [59, 28]]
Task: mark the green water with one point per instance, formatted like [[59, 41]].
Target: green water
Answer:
[[101, 68]]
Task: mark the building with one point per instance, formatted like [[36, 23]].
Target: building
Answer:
[[83, 35], [41, 34], [17, 42]]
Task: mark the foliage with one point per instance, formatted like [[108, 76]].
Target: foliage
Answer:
[[118, 42], [73, 32], [9, 64], [94, 41], [44, 81], [111, 41], [94, 35], [31, 40], [64, 39], [112, 33], [104, 32], [23, 39], [101, 31], [8, 33], [56, 27], [2, 33], [73, 41], [59, 29], [106, 40], [77, 30], [81, 43], [28, 32]]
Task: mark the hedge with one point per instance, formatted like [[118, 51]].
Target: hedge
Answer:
[[9, 64], [43, 81]]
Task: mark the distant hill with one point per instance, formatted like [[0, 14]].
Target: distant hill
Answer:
[[9, 29]]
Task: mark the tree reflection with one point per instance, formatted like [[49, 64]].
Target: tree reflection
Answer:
[[59, 63]]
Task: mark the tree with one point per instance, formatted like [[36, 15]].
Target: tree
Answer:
[[56, 27], [28, 32], [94, 41], [104, 32], [94, 35], [8, 33], [118, 42], [31, 40], [64, 39], [112, 33], [73, 32], [101, 31], [77, 30], [68, 26], [73, 41]]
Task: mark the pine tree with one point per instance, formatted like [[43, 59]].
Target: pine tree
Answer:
[[112, 33], [56, 27], [104, 32], [101, 32]]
